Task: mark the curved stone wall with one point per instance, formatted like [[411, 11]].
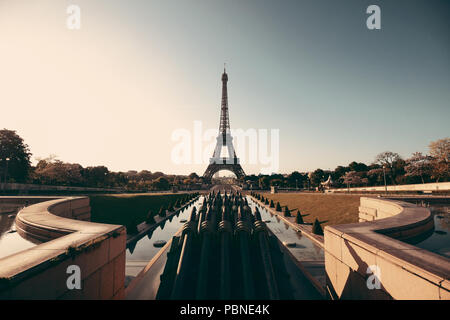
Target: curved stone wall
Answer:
[[41, 272], [368, 260]]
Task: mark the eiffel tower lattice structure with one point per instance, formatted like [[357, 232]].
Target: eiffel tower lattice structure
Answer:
[[224, 139]]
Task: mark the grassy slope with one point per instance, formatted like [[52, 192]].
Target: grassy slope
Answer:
[[128, 209], [336, 208]]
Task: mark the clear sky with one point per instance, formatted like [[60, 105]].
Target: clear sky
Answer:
[[113, 92]]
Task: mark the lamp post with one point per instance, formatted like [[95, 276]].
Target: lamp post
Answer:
[[6, 168], [384, 175]]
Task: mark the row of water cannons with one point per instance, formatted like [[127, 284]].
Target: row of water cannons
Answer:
[[182, 201], [187, 199], [316, 225], [224, 251]]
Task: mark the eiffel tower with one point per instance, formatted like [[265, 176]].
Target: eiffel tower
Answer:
[[224, 139]]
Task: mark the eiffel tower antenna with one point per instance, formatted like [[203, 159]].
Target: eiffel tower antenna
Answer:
[[224, 139]]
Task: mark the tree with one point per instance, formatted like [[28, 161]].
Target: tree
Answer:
[[295, 179], [14, 157], [95, 176], [388, 159], [158, 174], [145, 175], [56, 172], [117, 179], [352, 178], [418, 166], [193, 176], [399, 171], [375, 175], [276, 182], [317, 176], [161, 184], [337, 174], [264, 182], [365, 181], [440, 151], [357, 166], [132, 174]]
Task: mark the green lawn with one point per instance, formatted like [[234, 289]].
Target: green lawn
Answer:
[[128, 209]]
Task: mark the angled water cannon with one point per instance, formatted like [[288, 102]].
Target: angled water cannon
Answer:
[[243, 232], [225, 233], [207, 229], [261, 234], [150, 219], [186, 257], [162, 212]]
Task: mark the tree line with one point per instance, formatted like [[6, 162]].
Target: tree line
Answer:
[[389, 167], [15, 166]]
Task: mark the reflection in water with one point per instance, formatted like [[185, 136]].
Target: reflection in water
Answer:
[[439, 240], [6, 223], [10, 240], [305, 249], [141, 252], [131, 247]]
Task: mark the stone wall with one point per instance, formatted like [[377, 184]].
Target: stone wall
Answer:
[[68, 239], [40, 188], [356, 254], [430, 187]]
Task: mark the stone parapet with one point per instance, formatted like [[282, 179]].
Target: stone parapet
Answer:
[[427, 187], [68, 239], [373, 251]]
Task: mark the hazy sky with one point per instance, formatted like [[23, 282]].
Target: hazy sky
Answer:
[[113, 92]]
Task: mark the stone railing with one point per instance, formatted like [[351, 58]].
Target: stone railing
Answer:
[[423, 187], [368, 260], [41, 272], [42, 188]]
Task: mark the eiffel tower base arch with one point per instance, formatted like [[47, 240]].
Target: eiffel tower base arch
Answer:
[[216, 167]]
